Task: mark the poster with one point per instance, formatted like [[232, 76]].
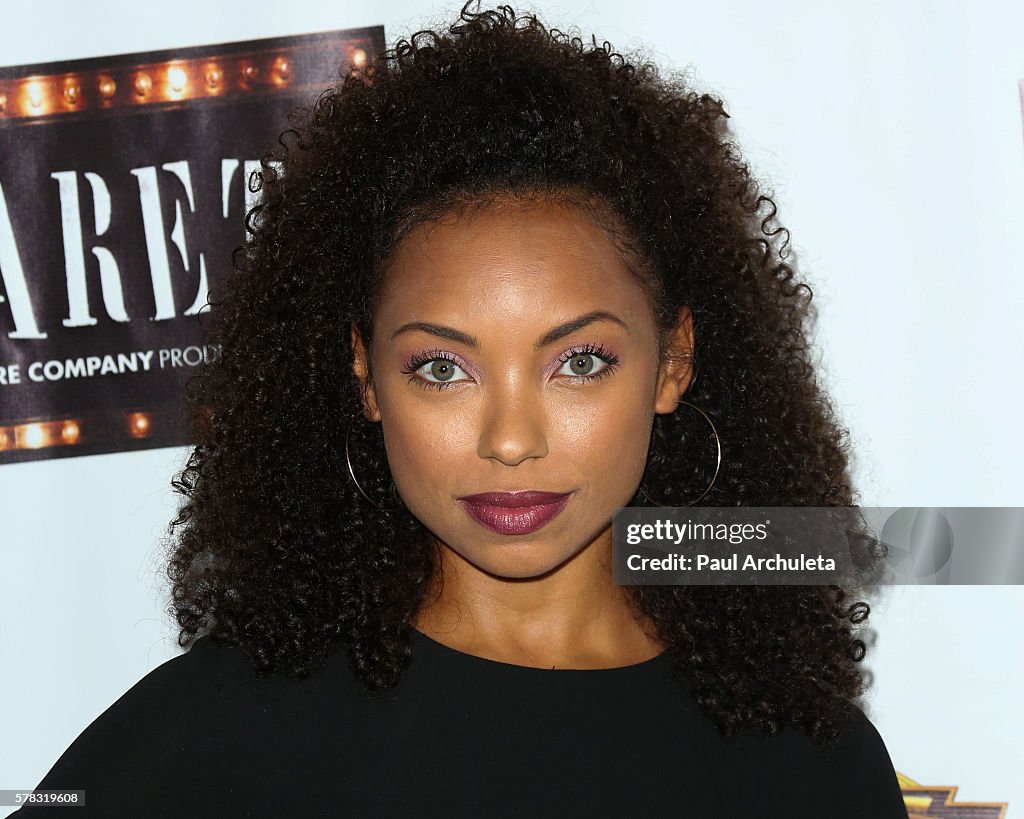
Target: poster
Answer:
[[124, 182]]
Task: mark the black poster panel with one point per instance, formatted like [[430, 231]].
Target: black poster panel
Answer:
[[123, 189]]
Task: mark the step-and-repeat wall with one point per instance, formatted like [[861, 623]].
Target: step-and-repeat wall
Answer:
[[891, 137]]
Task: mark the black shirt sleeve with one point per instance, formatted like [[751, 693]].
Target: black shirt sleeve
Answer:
[[141, 753], [853, 776], [872, 775]]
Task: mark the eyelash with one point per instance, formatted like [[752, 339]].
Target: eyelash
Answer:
[[418, 361], [610, 359]]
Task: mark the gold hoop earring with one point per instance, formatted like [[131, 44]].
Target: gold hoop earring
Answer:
[[718, 459], [352, 473]]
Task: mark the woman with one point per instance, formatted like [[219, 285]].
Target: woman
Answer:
[[501, 284]]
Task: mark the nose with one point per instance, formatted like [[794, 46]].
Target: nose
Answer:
[[513, 428]]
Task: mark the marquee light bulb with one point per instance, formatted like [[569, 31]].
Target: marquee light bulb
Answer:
[[33, 436], [138, 424], [177, 78], [213, 76], [143, 84], [35, 95]]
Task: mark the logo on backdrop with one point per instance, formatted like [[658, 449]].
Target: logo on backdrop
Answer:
[[123, 189], [940, 802]]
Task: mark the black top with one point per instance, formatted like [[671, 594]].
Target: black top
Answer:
[[459, 736]]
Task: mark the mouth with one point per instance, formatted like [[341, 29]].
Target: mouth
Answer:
[[515, 513]]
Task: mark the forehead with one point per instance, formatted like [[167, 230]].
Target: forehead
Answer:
[[515, 260]]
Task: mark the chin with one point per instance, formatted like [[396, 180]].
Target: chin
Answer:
[[514, 566]]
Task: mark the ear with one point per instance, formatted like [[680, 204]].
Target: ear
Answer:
[[361, 368], [676, 369]]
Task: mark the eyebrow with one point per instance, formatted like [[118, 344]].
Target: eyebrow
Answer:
[[551, 336]]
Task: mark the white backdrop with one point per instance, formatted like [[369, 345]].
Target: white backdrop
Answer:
[[892, 135]]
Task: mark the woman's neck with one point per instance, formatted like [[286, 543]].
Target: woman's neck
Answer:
[[571, 617]]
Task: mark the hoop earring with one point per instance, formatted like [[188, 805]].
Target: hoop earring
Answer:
[[718, 460], [352, 473]]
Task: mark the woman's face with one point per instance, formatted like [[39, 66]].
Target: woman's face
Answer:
[[514, 351]]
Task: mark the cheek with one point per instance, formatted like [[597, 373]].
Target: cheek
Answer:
[[424, 451], [607, 441]]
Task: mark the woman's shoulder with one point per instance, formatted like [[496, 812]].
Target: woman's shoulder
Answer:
[[857, 745], [183, 683], [850, 774], [211, 681], [191, 682], [216, 673], [188, 717]]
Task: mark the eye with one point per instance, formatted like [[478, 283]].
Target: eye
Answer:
[[588, 362], [441, 370], [435, 370]]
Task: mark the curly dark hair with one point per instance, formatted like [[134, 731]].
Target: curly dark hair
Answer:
[[273, 548]]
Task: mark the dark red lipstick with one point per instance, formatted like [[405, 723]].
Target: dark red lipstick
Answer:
[[515, 513]]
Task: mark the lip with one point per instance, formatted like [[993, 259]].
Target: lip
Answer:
[[515, 513]]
